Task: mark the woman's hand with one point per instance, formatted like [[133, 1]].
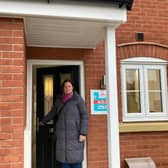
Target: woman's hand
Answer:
[[41, 124], [82, 138]]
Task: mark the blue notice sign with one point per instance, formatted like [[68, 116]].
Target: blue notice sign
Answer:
[[98, 102]]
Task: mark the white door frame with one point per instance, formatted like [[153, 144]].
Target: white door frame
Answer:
[[28, 127]]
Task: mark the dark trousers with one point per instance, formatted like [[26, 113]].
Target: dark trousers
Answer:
[[71, 165]]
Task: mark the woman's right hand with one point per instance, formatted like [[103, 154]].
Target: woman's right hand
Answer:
[[41, 124], [82, 138]]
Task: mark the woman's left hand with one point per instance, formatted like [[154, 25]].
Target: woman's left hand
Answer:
[[82, 138]]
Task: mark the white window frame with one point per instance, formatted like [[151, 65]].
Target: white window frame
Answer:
[[143, 64]]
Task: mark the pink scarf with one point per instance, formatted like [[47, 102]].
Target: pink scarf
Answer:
[[66, 97]]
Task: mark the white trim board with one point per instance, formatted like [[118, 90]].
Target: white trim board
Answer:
[[28, 128], [112, 99], [72, 10]]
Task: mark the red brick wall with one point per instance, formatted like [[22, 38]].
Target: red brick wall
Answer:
[[97, 138], [150, 17], [144, 145], [12, 92], [153, 144]]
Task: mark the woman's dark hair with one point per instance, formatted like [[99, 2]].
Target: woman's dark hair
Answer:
[[68, 80]]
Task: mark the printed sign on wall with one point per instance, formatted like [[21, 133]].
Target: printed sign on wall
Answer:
[[98, 102]]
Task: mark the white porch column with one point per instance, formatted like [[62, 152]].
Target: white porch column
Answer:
[[111, 77]]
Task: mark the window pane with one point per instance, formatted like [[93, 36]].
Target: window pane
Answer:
[[154, 81], [154, 90], [133, 102], [155, 102], [48, 93], [132, 79]]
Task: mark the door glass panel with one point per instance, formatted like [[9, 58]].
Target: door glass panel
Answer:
[[48, 93], [154, 90], [133, 91], [64, 76], [48, 86]]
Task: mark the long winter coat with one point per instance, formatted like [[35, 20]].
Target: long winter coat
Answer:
[[71, 123]]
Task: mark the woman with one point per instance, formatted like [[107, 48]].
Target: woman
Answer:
[[70, 127]]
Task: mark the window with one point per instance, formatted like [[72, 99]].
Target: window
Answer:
[[144, 89]]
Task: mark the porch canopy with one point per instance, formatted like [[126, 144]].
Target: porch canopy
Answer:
[[66, 23]]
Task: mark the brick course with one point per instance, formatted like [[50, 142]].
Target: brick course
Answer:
[[12, 92], [149, 17], [144, 145], [151, 144]]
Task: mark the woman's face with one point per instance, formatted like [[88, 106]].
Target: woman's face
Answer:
[[68, 88]]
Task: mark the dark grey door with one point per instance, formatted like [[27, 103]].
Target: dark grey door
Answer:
[[48, 86]]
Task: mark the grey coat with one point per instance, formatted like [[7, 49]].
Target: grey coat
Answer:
[[72, 122]]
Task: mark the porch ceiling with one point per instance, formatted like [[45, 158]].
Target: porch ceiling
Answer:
[[63, 33]]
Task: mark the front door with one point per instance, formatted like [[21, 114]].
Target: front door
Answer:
[[48, 86]]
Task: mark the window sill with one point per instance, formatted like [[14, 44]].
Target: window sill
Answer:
[[143, 127]]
